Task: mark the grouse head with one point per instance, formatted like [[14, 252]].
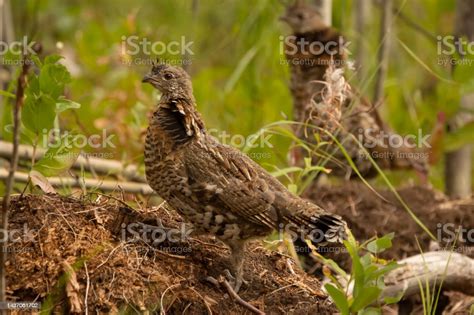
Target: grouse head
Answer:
[[303, 17], [169, 80]]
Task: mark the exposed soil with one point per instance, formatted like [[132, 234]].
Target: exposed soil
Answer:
[[116, 273], [113, 274], [368, 215]]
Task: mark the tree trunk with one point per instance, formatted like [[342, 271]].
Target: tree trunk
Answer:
[[458, 166], [382, 56], [361, 16], [325, 9]]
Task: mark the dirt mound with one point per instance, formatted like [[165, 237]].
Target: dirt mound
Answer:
[[68, 253], [368, 215]]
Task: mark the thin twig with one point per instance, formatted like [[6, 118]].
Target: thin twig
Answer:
[[237, 298], [290, 267], [87, 288], [110, 255], [162, 310], [114, 198], [209, 311], [10, 180]]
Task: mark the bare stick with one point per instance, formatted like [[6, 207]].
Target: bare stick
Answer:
[[93, 164], [10, 178], [237, 298], [87, 289], [104, 185]]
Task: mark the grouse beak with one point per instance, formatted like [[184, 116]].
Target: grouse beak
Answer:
[[283, 18], [147, 78]]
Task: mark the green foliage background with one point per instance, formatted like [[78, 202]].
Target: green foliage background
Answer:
[[239, 74]]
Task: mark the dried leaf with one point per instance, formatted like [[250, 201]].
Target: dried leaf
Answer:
[[42, 182], [72, 289]]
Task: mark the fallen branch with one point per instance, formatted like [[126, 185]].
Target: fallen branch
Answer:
[[93, 164], [90, 183], [454, 269]]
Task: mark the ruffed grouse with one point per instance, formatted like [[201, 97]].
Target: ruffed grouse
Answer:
[[215, 187], [311, 51]]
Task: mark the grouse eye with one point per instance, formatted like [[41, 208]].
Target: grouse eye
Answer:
[[168, 76], [300, 16]]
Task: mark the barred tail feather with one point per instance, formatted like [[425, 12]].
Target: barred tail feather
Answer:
[[321, 229], [331, 230]]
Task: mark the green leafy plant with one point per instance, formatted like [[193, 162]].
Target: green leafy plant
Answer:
[[44, 101], [360, 291]]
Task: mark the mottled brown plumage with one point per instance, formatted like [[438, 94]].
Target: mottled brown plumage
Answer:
[[216, 187], [355, 116]]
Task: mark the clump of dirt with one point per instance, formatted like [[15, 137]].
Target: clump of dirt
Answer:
[[70, 254]]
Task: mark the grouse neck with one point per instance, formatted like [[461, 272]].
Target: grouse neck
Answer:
[[178, 118]]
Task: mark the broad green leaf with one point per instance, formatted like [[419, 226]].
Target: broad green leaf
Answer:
[[59, 158], [51, 59], [38, 114], [365, 298], [33, 88], [369, 271], [380, 283], [366, 260], [65, 104], [380, 244], [339, 298], [36, 60], [393, 299], [357, 268], [53, 78], [26, 136], [384, 270]]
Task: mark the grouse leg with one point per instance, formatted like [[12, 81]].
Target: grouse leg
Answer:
[[237, 248]]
